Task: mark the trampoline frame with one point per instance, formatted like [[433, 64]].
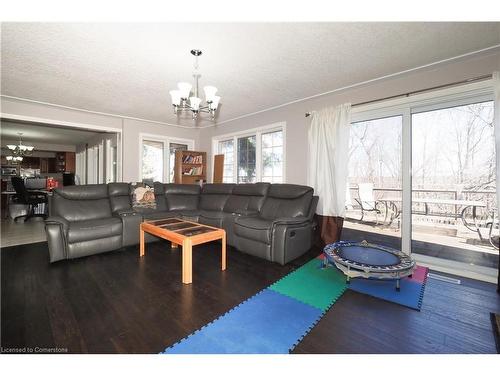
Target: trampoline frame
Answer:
[[354, 269]]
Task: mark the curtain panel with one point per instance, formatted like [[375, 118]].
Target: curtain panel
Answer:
[[328, 142]]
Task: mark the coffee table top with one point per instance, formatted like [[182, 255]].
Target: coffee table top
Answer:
[[182, 227]]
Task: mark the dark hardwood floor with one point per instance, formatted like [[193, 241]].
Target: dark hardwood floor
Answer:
[[119, 303]]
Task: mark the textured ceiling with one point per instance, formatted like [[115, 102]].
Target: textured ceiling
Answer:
[[42, 133], [128, 69]]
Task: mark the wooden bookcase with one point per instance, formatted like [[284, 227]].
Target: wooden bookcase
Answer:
[[190, 167]]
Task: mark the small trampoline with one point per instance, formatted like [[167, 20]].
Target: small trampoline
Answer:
[[367, 260]]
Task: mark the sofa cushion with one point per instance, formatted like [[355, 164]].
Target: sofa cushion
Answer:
[[181, 197], [286, 200], [190, 215], [156, 215], [214, 196], [247, 197], [119, 196], [87, 230], [211, 214], [254, 228], [81, 202]]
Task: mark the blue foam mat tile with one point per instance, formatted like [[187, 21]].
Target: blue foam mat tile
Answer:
[[267, 323], [410, 294]]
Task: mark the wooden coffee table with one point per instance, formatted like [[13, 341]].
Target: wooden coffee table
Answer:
[[187, 234]]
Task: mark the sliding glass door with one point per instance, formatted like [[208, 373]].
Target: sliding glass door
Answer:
[[422, 178], [373, 198], [454, 184]]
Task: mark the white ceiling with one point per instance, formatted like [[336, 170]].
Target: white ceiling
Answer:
[[128, 69], [43, 133]]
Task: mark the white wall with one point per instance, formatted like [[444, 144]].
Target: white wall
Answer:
[[129, 128], [297, 124]]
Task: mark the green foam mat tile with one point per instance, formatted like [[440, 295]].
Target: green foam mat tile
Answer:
[[312, 284]]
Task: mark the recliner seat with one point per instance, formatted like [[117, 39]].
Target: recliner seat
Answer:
[[282, 228]]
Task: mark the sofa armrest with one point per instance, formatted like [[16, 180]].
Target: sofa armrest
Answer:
[[246, 213], [56, 228], [126, 212], [58, 220], [291, 237], [312, 208], [291, 220]]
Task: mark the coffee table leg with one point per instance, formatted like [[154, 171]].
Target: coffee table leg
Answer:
[[224, 252], [187, 261], [141, 243]]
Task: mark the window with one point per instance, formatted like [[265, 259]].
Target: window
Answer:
[[246, 159], [226, 148], [158, 156], [272, 157], [253, 156], [174, 147], [152, 160]]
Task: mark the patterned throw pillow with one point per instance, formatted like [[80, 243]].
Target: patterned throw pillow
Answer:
[[143, 197]]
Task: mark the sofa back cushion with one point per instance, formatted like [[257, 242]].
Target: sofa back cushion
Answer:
[[247, 197], [214, 196], [119, 196], [176, 197], [81, 202], [287, 200]]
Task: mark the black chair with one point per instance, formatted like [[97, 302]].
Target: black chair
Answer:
[[30, 199]]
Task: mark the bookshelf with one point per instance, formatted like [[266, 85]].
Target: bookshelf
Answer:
[[190, 167]]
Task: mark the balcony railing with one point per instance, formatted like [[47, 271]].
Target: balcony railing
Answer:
[[488, 197]]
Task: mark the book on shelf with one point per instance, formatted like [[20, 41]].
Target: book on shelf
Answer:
[[192, 159], [192, 171]]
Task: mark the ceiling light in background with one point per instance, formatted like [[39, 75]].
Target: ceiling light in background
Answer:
[[20, 149]]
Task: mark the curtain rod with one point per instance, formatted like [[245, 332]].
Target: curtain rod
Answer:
[[469, 80]]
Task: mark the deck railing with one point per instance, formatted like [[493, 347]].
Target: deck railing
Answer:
[[486, 196]]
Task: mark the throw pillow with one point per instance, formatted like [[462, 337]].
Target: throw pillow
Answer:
[[143, 197]]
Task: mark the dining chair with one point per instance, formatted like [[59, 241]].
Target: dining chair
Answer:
[[30, 199]]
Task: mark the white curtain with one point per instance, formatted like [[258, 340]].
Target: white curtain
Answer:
[[496, 124], [328, 154]]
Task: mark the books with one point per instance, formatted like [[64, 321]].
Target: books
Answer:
[[192, 171], [192, 159]]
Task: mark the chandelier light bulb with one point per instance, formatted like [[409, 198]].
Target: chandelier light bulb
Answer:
[[195, 103], [185, 89], [11, 147], [210, 92], [215, 103], [176, 97]]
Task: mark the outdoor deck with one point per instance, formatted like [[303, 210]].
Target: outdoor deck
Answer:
[[445, 241]]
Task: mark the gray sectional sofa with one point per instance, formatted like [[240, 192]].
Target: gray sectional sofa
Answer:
[[271, 221]]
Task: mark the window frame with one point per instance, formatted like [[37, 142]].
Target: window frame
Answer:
[[257, 132], [165, 140]]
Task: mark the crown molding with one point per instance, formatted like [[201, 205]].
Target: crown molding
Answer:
[[97, 112], [360, 84]]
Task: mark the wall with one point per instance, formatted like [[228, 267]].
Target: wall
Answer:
[[297, 123], [129, 128]]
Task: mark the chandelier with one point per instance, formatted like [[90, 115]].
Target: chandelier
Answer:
[[19, 150], [183, 101]]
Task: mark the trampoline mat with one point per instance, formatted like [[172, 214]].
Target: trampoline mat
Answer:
[[369, 256]]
